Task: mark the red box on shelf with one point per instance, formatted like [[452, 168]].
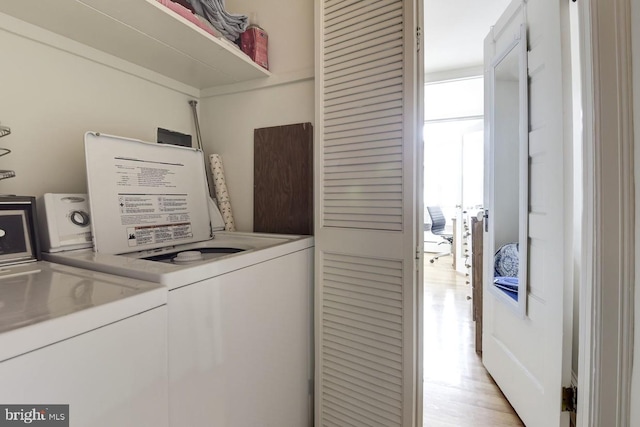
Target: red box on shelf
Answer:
[[254, 42]]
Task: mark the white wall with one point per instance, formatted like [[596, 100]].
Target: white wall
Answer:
[[289, 24], [50, 98], [227, 123], [228, 120]]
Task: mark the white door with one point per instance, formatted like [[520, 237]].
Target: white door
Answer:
[[366, 158], [530, 356]]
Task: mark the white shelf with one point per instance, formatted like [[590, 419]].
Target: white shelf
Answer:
[[145, 33]]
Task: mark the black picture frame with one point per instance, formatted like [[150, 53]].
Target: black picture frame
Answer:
[[18, 230]]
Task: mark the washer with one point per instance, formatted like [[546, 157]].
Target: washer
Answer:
[[240, 304], [70, 336]]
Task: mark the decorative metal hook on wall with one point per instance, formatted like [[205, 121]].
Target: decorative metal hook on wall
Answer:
[[4, 174], [4, 131]]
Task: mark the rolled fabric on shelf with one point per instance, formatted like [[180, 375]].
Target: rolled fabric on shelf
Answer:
[[222, 194], [231, 25]]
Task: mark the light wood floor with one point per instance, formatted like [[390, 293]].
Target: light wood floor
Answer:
[[458, 391]]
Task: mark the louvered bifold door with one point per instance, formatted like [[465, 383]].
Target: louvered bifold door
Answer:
[[365, 153]]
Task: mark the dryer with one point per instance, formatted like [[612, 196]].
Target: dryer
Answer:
[[73, 337], [240, 304]]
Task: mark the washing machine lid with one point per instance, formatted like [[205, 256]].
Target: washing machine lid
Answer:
[[144, 195]]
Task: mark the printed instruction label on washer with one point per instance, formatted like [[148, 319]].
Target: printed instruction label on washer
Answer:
[[155, 211]]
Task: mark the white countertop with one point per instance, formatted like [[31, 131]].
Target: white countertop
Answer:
[[42, 303]]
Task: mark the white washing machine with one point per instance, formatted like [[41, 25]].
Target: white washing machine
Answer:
[[75, 337], [240, 304]]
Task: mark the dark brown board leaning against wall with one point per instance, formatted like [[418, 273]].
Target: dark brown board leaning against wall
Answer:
[[283, 179]]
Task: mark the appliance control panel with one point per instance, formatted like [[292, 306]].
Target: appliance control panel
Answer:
[[65, 222]]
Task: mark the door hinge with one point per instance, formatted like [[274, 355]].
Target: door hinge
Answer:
[[569, 399], [418, 38]]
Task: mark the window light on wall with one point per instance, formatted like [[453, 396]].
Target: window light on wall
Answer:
[[454, 98], [453, 137]]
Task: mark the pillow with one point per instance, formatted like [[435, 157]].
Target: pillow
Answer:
[[506, 261]]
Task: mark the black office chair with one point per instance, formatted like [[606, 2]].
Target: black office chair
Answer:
[[438, 222]]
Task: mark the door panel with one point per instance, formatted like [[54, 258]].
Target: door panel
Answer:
[[528, 356], [365, 235]]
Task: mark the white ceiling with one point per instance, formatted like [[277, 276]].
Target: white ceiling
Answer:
[[454, 32]]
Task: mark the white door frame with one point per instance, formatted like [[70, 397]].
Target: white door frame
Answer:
[[607, 287], [419, 195], [606, 294]]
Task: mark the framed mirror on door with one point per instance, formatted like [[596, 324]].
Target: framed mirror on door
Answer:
[[507, 173]]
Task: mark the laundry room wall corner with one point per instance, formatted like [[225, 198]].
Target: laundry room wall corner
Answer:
[[230, 114], [54, 90]]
